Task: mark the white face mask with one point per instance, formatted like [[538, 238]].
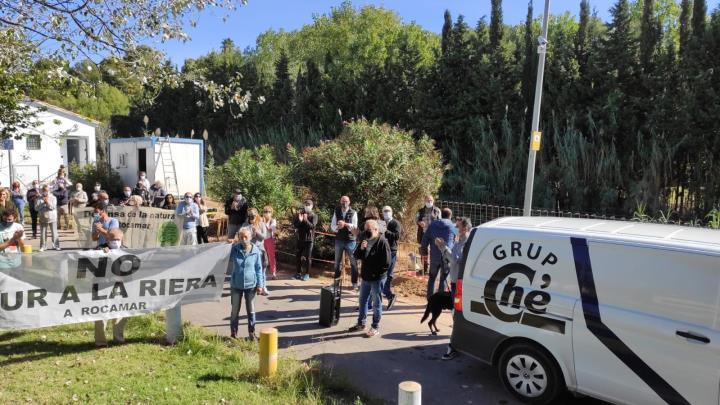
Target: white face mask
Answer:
[[142, 177], [97, 188], [127, 193], [238, 197], [114, 244], [188, 200], [428, 205], [387, 216]]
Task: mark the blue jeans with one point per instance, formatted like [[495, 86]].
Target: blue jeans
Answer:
[[349, 248], [387, 290], [436, 268], [236, 296], [371, 289]]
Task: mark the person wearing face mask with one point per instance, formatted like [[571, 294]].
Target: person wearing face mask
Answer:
[[18, 199], [258, 234], [246, 280], [157, 194], [236, 209], [78, 198], [102, 225], [114, 243], [374, 253], [304, 222], [61, 195], [189, 212], [61, 179], [392, 234], [12, 234], [142, 178], [46, 207], [426, 216], [203, 222], [127, 193], [445, 230], [32, 196], [270, 225], [142, 192], [97, 190], [344, 221]]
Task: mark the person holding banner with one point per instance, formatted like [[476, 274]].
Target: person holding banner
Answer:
[[190, 213], [103, 224], [246, 280], [114, 242]]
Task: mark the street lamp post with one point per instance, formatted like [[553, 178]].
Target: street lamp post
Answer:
[[535, 135]]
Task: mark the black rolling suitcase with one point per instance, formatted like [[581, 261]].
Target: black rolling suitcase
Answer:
[[330, 304]]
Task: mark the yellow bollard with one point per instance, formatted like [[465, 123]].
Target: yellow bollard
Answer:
[[27, 249], [268, 352]]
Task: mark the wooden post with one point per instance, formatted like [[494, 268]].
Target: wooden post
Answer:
[[409, 393], [268, 352]]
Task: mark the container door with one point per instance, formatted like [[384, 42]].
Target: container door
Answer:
[[646, 328]]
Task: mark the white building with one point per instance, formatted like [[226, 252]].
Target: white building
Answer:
[[161, 158], [62, 137]]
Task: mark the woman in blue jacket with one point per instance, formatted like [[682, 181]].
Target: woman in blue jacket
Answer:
[[246, 280]]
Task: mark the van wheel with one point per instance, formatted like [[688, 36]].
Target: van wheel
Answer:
[[530, 375]]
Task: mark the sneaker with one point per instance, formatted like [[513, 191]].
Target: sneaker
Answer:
[[273, 277], [265, 292], [233, 335], [391, 301], [297, 276], [357, 328], [57, 248], [252, 337], [305, 277], [42, 249], [372, 332], [451, 354]]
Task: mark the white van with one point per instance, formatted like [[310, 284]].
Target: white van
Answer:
[[623, 311]]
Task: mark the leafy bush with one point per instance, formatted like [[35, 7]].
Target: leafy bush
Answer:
[[92, 173], [373, 164], [262, 180]]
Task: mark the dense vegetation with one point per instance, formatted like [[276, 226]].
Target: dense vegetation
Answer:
[[629, 108]]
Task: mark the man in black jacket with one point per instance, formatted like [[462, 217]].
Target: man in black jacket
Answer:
[[374, 252], [33, 194], [392, 234], [305, 222], [236, 209]]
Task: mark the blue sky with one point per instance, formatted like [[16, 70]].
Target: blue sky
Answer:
[[247, 22]]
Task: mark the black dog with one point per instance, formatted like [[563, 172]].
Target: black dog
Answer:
[[439, 301]]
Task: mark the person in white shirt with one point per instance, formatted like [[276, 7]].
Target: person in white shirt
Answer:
[[344, 221], [142, 178], [46, 206], [269, 242], [12, 239]]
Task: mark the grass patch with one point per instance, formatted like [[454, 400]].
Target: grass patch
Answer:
[[62, 365]]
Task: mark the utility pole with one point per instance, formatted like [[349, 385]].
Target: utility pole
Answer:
[[535, 135]]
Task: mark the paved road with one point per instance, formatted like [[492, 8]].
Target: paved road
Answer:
[[405, 350]]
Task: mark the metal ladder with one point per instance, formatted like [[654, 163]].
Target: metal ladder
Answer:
[[165, 158]]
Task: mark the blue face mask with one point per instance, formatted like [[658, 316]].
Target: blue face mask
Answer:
[[96, 217]]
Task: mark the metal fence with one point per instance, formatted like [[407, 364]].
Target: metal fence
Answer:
[[481, 213]]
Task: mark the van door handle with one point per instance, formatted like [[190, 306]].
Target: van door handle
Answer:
[[693, 336]]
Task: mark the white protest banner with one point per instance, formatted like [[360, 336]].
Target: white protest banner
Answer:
[[47, 289], [143, 227]]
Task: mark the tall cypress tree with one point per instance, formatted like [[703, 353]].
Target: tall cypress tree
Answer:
[[446, 29], [581, 37], [282, 92], [685, 28], [650, 31], [496, 24]]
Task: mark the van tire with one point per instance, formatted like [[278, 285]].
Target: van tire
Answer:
[[538, 379]]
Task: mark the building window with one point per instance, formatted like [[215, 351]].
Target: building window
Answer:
[[122, 159], [32, 142]]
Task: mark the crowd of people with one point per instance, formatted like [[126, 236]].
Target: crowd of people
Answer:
[[371, 239]]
